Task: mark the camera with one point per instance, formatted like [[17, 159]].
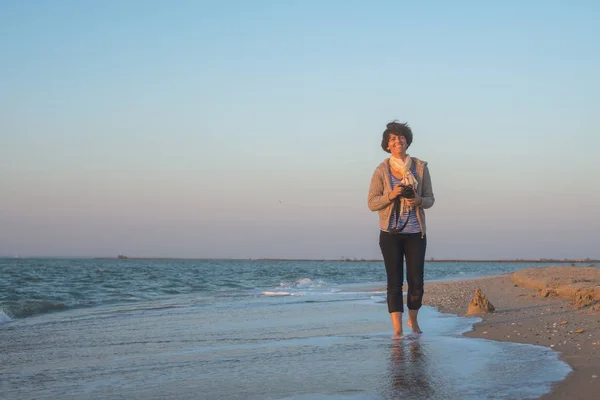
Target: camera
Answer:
[[407, 191]]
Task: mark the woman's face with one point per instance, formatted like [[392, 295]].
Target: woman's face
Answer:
[[397, 145]]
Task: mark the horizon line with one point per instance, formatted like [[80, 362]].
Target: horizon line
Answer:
[[354, 259]]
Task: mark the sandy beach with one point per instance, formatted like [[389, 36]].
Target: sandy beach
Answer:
[[557, 307]]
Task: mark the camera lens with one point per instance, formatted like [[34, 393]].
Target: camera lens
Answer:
[[408, 192]]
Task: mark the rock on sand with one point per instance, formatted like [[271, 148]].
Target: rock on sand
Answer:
[[480, 304]]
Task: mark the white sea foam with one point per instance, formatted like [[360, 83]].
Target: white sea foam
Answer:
[[307, 282], [3, 317], [304, 282], [309, 287], [299, 288], [276, 293]]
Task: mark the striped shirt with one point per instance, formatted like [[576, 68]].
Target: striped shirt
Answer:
[[413, 223]]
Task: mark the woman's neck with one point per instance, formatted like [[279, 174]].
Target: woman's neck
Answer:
[[401, 156]]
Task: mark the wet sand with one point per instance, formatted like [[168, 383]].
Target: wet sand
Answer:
[[557, 307]]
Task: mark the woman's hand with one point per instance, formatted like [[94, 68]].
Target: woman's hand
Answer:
[[395, 192], [416, 201]]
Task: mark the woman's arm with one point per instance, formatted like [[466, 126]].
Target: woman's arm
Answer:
[[378, 199], [427, 198]]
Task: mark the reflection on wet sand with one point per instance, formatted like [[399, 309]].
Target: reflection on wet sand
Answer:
[[408, 374]]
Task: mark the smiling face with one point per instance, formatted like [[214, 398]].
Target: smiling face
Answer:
[[397, 145]]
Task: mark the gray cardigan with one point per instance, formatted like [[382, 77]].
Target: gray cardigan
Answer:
[[381, 187]]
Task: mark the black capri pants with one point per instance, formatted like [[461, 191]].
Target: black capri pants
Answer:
[[395, 248]]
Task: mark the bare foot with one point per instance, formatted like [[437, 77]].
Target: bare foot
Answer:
[[397, 322], [414, 326]]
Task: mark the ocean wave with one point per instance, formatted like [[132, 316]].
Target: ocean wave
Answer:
[[4, 318], [303, 283], [301, 287], [267, 293], [28, 308]]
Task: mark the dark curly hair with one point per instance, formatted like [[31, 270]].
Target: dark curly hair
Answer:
[[398, 129]]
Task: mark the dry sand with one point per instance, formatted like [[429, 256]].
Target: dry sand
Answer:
[[558, 307]]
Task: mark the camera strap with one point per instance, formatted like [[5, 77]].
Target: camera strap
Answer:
[[397, 212]]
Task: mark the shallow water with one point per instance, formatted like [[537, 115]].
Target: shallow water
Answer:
[[30, 287], [320, 346]]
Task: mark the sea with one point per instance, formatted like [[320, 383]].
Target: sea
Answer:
[[245, 329]]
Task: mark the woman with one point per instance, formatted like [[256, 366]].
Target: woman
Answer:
[[400, 191]]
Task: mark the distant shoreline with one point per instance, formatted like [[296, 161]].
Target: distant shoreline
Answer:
[[585, 261], [446, 260]]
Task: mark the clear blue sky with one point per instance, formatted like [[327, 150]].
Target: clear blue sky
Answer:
[[252, 129]]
